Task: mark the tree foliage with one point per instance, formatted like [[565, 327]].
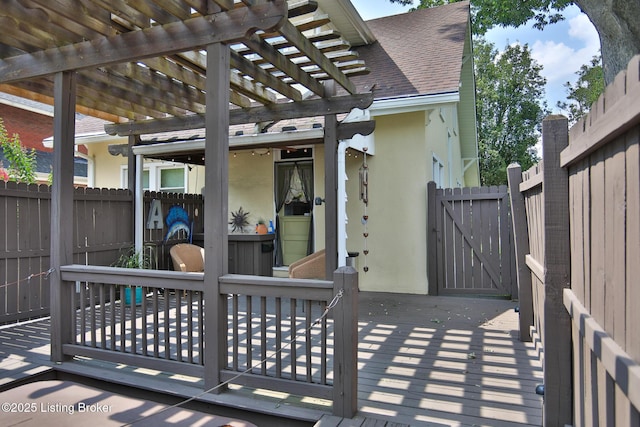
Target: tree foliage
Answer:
[[585, 91], [22, 162], [510, 107], [490, 13], [616, 22]]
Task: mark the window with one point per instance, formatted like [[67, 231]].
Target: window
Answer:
[[172, 180], [169, 177]]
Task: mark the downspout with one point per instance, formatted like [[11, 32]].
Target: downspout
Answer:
[[342, 203]]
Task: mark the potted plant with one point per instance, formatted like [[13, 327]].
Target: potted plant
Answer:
[[132, 259], [261, 227]]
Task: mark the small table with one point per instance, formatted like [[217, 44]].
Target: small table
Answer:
[[249, 253]]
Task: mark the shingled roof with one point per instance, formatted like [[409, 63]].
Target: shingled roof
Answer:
[[416, 53]]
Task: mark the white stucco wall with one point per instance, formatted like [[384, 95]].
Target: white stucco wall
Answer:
[[397, 210]]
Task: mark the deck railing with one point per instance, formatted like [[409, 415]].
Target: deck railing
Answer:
[[295, 336], [163, 332]]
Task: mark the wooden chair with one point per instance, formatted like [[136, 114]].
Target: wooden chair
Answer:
[[187, 257], [310, 267]]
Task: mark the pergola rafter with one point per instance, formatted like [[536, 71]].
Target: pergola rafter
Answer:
[[145, 60]]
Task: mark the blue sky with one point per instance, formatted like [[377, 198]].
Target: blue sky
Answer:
[[561, 48]]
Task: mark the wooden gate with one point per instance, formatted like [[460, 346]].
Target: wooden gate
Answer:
[[470, 247]]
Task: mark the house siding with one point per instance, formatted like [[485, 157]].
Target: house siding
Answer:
[[467, 117], [398, 174]]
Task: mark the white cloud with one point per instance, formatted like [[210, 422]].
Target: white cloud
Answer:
[[558, 59], [562, 59], [580, 27]]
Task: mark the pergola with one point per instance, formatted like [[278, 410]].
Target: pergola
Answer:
[[151, 66]]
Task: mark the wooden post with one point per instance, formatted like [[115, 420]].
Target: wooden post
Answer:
[[432, 253], [61, 211], [557, 267], [135, 167], [345, 352], [216, 211], [521, 242], [331, 185]]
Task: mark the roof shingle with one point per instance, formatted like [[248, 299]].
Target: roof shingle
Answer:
[[416, 53]]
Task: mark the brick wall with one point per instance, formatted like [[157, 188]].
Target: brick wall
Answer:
[[32, 127]]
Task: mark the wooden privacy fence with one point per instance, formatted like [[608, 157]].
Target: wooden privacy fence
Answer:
[[583, 259], [262, 332], [470, 241], [103, 226]]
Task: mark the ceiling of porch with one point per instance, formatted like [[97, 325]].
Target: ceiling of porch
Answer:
[[142, 63]]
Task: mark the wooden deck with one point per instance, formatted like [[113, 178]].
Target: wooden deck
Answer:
[[433, 361]]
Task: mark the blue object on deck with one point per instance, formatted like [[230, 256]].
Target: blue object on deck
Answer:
[[540, 389], [138, 295]]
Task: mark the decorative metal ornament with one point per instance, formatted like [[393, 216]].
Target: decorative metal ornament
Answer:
[[364, 196]]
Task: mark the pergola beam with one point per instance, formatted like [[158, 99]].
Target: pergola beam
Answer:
[[185, 35], [275, 112]]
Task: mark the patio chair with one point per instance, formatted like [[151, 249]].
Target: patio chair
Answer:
[[310, 267], [187, 257]]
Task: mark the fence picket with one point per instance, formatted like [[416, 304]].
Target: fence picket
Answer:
[[632, 255], [103, 225]]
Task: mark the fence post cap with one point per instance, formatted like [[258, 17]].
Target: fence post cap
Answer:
[[554, 117], [346, 269]]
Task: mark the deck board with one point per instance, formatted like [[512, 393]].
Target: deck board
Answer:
[[423, 361]]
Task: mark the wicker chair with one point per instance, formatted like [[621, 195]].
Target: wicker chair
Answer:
[[187, 257], [310, 267]]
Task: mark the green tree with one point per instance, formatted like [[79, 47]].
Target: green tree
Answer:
[[510, 107], [22, 162], [616, 22], [585, 91]]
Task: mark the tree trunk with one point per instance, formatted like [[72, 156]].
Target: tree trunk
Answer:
[[618, 26]]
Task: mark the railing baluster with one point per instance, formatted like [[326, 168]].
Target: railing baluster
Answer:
[[278, 337], [156, 323], [263, 333], [294, 344], [249, 351], [112, 312], [308, 338], [83, 319], [167, 324], [178, 325], [323, 351], [201, 328], [134, 319], [92, 308], [143, 315], [123, 320], [103, 317], [190, 326], [236, 335]]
